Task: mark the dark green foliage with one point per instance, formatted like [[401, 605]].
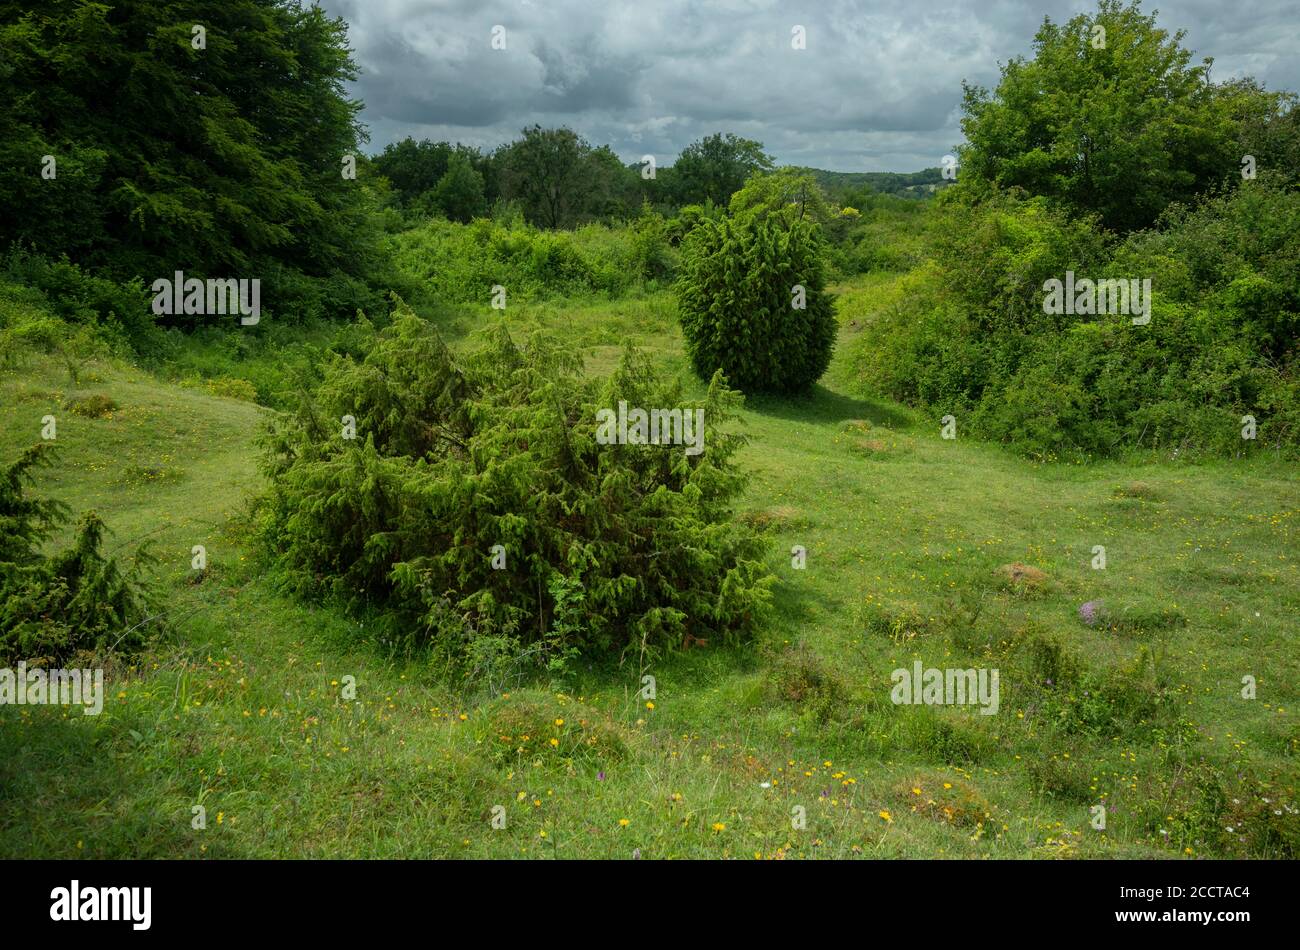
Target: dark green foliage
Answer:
[[607, 547], [716, 167], [26, 523], [1268, 126], [560, 180], [221, 162], [53, 607], [688, 217], [460, 191], [736, 301], [413, 168], [438, 177]]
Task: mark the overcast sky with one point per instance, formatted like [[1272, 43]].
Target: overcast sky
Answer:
[[877, 88]]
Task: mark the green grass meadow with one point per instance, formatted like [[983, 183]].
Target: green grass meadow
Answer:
[[786, 747]]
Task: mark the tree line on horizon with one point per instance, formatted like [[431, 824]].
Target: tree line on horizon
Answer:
[[558, 179]]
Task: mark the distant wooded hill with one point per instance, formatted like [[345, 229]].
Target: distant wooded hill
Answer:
[[904, 184]]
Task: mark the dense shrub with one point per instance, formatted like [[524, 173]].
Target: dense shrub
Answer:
[[53, 607], [687, 217], [651, 257], [116, 312], [968, 335], [606, 547], [737, 302], [462, 263]]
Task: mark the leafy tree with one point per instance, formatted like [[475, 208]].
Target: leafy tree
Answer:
[[1269, 127], [790, 192], [752, 304], [716, 167], [616, 188], [1120, 130], [414, 168], [556, 176], [460, 191]]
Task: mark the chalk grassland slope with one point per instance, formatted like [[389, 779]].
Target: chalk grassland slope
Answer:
[[239, 708]]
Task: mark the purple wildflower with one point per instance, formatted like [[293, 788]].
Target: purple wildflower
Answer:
[[1090, 613]]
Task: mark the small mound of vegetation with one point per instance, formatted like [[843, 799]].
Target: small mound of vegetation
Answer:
[[530, 726], [92, 406], [800, 677], [949, 800]]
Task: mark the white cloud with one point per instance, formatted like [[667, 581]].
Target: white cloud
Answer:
[[876, 89]]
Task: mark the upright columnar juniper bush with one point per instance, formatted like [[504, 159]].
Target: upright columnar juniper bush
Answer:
[[752, 305]]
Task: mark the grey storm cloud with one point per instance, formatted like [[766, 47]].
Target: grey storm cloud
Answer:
[[878, 87]]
